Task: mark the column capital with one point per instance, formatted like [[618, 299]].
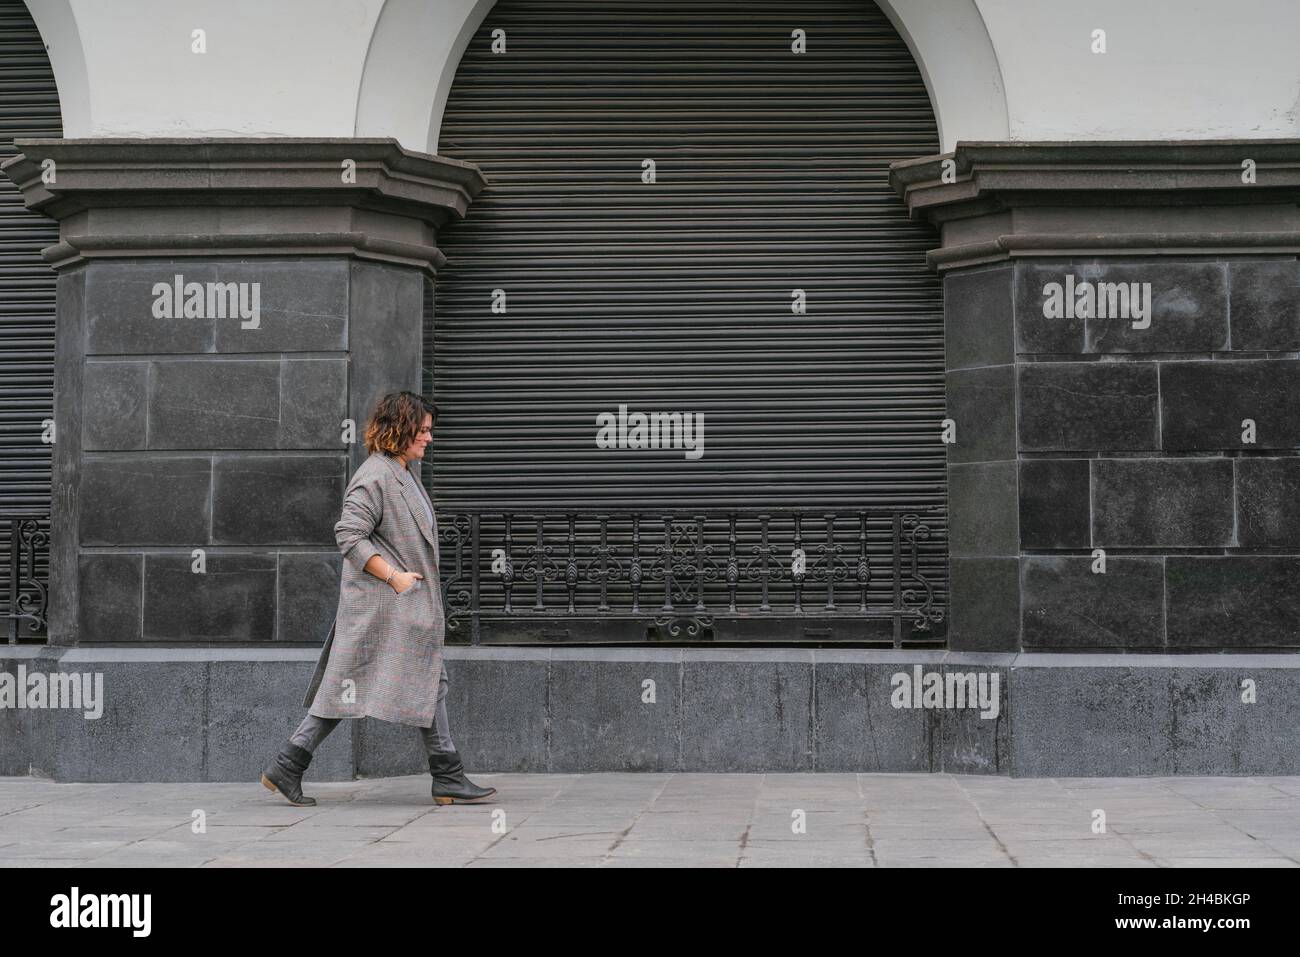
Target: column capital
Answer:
[[371, 198], [999, 200]]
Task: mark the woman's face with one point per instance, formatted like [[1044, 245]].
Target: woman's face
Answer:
[[422, 438]]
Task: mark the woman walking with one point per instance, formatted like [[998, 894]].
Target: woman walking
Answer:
[[383, 657]]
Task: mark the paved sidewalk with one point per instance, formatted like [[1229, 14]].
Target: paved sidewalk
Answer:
[[639, 820]]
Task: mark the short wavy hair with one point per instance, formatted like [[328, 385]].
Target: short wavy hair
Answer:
[[396, 421]]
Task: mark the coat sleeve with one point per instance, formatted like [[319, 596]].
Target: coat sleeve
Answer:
[[362, 508]]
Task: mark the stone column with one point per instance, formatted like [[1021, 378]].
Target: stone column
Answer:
[[1154, 425], [225, 308]]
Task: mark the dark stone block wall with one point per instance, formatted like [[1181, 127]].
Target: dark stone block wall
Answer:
[[984, 527], [187, 433], [1085, 434]]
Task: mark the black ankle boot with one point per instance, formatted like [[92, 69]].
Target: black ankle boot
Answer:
[[284, 774], [449, 781]]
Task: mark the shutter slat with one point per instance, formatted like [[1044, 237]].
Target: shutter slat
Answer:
[[29, 106]]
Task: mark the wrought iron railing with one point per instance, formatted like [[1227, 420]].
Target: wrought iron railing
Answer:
[[26, 596], [869, 576]]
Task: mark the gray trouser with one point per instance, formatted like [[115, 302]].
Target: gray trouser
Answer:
[[313, 729]]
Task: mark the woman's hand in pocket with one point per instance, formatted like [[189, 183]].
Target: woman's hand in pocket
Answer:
[[403, 581]]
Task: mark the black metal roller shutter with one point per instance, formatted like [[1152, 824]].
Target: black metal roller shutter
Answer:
[[29, 106], [771, 176]]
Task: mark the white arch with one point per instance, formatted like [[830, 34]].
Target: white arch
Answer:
[[418, 44], [951, 46], [412, 61], [58, 28]]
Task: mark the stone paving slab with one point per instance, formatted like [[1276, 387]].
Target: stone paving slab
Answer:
[[663, 820]]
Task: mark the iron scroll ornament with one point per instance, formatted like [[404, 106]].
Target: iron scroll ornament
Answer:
[[919, 599], [33, 597]]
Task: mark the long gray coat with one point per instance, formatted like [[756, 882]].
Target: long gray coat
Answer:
[[383, 656]]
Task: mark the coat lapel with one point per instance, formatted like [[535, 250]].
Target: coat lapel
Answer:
[[413, 496], [437, 558]]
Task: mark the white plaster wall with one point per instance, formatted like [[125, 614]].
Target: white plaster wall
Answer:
[[272, 67], [996, 69], [1174, 69]]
